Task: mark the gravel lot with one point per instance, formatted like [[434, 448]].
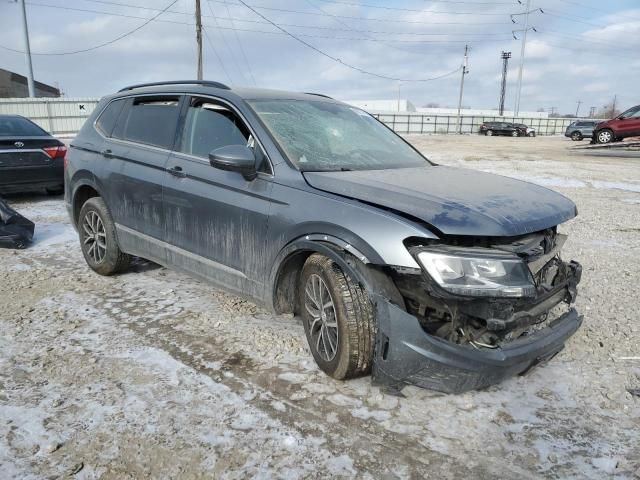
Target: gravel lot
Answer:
[[154, 374]]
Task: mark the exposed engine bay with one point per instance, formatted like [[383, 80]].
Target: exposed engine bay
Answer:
[[488, 322]]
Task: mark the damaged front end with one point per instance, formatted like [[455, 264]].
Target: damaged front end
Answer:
[[477, 312]]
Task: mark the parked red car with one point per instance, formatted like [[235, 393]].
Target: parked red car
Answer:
[[625, 125]]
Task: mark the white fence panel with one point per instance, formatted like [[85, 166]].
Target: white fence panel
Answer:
[[58, 116]]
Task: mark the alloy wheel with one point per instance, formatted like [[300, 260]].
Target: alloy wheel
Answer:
[[94, 236], [324, 322]]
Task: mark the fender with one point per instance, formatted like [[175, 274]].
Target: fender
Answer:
[[352, 262]]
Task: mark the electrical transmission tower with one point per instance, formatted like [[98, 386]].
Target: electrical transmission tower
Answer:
[[503, 87], [523, 46]]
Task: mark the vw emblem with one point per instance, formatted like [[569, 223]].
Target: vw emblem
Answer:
[[19, 144]]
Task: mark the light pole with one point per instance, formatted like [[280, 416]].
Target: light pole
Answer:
[[27, 51], [503, 88]]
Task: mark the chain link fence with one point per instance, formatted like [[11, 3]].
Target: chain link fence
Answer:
[[444, 124]]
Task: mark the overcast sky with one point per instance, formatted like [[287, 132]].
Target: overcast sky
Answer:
[[583, 49]]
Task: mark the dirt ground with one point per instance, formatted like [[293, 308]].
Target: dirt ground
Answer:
[[154, 374]]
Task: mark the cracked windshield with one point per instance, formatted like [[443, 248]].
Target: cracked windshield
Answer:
[[324, 136]]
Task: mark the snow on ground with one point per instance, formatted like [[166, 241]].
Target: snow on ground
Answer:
[[154, 374]]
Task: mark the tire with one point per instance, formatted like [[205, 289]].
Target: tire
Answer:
[[576, 136], [489, 133], [531, 134], [515, 133], [605, 136], [341, 336], [95, 222]]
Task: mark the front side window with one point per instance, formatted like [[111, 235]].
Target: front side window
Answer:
[[150, 120], [210, 125], [326, 136]]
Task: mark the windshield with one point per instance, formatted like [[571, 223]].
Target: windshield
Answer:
[[324, 136]]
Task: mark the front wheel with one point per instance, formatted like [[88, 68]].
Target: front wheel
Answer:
[[605, 136], [98, 239], [338, 319], [489, 133], [515, 133], [576, 136]]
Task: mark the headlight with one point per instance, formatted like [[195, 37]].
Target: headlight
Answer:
[[493, 276]]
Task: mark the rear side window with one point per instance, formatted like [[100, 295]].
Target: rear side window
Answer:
[[19, 127], [107, 119], [149, 120]]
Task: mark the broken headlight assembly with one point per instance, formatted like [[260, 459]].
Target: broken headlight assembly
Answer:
[[477, 272]]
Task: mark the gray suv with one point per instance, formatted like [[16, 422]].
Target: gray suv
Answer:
[[418, 273], [581, 129]]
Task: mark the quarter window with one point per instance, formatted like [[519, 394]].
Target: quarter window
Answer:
[[150, 120], [107, 119]]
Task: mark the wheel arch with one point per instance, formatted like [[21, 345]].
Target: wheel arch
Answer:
[[83, 190], [285, 274]]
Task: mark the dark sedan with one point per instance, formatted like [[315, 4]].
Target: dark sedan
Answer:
[[30, 158], [500, 128]]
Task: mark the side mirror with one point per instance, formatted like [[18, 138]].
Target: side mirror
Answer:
[[235, 158]]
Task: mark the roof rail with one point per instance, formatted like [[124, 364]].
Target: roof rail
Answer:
[[319, 95], [207, 83]]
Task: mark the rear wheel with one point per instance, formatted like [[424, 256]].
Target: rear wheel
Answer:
[[515, 133], [489, 133], [98, 239], [576, 136], [338, 319], [605, 136]]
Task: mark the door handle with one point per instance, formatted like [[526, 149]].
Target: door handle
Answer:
[[107, 153], [177, 172]]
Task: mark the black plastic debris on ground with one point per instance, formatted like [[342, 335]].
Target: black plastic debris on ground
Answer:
[[16, 231]]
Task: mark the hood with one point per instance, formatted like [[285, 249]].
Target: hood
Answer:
[[455, 201]]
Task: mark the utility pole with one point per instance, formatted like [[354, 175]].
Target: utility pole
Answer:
[[522, 50], [465, 70], [399, 84], [27, 51], [198, 38], [578, 109], [503, 88], [613, 106], [592, 112]]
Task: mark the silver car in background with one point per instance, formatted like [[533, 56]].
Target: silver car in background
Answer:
[[580, 129]]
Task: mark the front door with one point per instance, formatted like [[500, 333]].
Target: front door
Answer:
[[134, 163], [216, 220], [628, 124]]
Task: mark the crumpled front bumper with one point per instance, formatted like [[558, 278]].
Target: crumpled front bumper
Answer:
[[405, 354]]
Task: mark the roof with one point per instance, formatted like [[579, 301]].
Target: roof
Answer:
[[193, 86]]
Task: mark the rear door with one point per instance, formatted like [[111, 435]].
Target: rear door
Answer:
[[215, 220], [134, 161], [23, 159]]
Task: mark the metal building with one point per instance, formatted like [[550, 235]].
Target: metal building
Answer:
[[14, 85]]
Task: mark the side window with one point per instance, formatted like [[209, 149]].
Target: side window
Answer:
[[209, 125], [107, 119], [150, 120]]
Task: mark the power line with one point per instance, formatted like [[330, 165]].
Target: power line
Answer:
[[95, 47], [244, 55], [371, 19], [233, 57], [337, 60], [232, 19], [256, 31], [224, 69], [400, 9]]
